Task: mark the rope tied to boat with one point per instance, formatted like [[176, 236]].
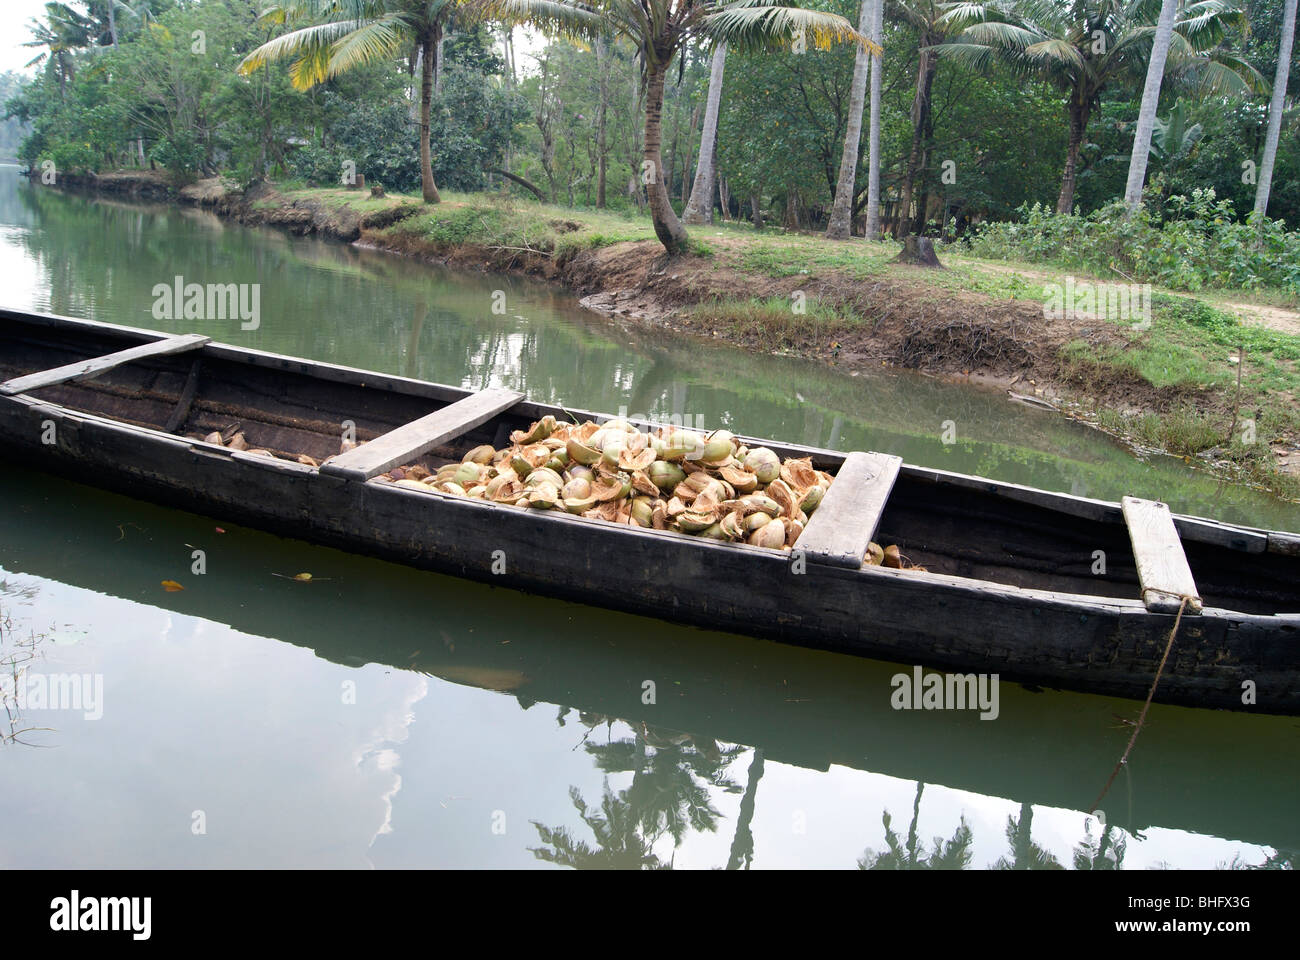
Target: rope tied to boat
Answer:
[[1142, 717]]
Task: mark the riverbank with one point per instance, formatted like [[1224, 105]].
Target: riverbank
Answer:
[[1169, 387]]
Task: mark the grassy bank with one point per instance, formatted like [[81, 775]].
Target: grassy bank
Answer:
[[1170, 385]]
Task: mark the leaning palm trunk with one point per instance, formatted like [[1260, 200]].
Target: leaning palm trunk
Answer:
[[668, 228], [920, 114], [428, 51], [1137, 165], [841, 223], [873, 136], [1275, 109], [700, 207]]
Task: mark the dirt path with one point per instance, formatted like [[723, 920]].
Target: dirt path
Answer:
[[1281, 319], [1275, 318]]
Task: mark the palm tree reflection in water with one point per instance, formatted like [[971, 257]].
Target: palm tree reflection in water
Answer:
[[673, 774]]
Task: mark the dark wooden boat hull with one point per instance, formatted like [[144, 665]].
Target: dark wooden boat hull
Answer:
[[724, 688], [1108, 645]]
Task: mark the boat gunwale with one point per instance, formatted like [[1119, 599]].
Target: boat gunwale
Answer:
[[958, 585], [1195, 528]]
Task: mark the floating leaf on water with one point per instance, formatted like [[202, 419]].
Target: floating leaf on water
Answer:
[[171, 586]]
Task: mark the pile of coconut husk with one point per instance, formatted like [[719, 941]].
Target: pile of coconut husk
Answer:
[[704, 484], [238, 441]]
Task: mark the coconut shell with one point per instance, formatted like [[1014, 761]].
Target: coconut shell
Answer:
[[799, 473], [643, 484]]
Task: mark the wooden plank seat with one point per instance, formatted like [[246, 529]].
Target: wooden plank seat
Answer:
[[85, 369], [844, 524], [1162, 568], [420, 436]]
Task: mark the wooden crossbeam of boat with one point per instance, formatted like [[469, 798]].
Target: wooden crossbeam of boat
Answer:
[[841, 528], [416, 438], [84, 369], [1162, 568]]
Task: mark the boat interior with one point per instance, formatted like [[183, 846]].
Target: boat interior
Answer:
[[291, 409]]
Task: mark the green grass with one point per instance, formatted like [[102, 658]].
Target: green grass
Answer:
[[1185, 352], [505, 223], [358, 200], [772, 317]]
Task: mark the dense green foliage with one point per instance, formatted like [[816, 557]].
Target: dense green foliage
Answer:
[[170, 92], [1199, 243], [166, 94]]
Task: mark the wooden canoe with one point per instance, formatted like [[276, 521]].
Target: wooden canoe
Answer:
[[1010, 587]]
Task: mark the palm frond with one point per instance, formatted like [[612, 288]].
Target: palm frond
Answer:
[[1221, 73], [1054, 49], [1007, 36], [552, 17], [378, 40], [758, 26], [306, 42]]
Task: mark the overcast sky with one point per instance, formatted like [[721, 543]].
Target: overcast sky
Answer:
[[14, 15]]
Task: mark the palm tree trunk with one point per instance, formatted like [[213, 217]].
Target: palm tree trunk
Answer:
[[920, 110], [841, 222], [1275, 109], [602, 113], [668, 228], [1137, 164], [873, 136], [700, 207], [1078, 126], [428, 48], [742, 844], [437, 65]]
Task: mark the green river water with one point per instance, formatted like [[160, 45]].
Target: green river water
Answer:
[[381, 716]]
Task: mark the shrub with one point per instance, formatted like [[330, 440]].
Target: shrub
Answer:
[[1192, 243]]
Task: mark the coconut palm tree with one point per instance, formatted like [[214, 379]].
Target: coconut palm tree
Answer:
[[63, 31], [1025, 854], [1137, 165], [1105, 852], [699, 209], [620, 844], [672, 776], [840, 226], [742, 843], [346, 34], [951, 854], [1083, 47], [659, 30], [935, 25], [1275, 107]]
